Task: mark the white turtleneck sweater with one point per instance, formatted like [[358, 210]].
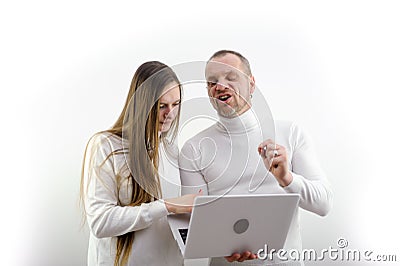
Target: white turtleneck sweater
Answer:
[[109, 216], [223, 159]]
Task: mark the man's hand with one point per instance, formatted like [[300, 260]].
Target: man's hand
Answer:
[[275, 159], [247, 255]]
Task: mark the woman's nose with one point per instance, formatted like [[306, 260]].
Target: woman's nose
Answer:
[[167, 111]]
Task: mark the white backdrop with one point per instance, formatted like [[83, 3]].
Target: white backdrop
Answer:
[[66, 66]]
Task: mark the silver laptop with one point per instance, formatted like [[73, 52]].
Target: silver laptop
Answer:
[[220, 226]]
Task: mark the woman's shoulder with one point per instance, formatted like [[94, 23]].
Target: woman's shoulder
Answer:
[[106, 140]]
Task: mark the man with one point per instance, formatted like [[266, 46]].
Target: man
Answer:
[[223, 158]]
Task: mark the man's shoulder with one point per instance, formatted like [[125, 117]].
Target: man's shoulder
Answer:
[[287, 128], [284, 125], [207, 132]]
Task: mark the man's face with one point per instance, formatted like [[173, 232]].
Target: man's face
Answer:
[[229, 88]]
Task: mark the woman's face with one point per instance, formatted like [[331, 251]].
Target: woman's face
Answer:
[[169, 106]]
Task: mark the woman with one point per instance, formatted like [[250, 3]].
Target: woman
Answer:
[[129, 169]]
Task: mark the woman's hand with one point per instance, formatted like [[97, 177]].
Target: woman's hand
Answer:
[[182, 204]]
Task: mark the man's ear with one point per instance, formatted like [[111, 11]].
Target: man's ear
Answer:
[[252, 84]]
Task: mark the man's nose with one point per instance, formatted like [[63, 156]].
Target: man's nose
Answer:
[[220, 87]]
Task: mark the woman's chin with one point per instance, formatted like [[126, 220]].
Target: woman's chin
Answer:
[[165, 128]]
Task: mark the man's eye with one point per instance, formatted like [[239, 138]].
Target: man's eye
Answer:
[[231, 78], [211, 84]]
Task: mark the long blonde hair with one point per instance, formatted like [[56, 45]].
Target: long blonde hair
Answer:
[[138, 126]]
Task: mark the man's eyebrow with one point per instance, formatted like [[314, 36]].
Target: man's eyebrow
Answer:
[[211, 78], [231, 72], [226, 73]]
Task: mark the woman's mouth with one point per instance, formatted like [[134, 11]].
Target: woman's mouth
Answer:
[[167, 121]]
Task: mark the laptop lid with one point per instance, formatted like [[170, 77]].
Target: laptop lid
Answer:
[[222, 225]]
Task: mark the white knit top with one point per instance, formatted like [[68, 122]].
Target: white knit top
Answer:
[[223, 159], [109, 216]]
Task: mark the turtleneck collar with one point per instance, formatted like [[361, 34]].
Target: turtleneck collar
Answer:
[[238, 124]]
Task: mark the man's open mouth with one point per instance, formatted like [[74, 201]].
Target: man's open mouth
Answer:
[[224, 98]]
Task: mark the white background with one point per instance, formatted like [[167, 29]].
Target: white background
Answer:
[[331, 66]]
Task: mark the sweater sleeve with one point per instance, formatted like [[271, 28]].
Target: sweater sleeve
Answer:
[[192, 179], [105, 216], [309, 180]]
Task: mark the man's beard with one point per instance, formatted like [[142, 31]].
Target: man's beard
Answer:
[[225, 110]]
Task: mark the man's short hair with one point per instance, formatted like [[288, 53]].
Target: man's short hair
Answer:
[[243, 59]]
